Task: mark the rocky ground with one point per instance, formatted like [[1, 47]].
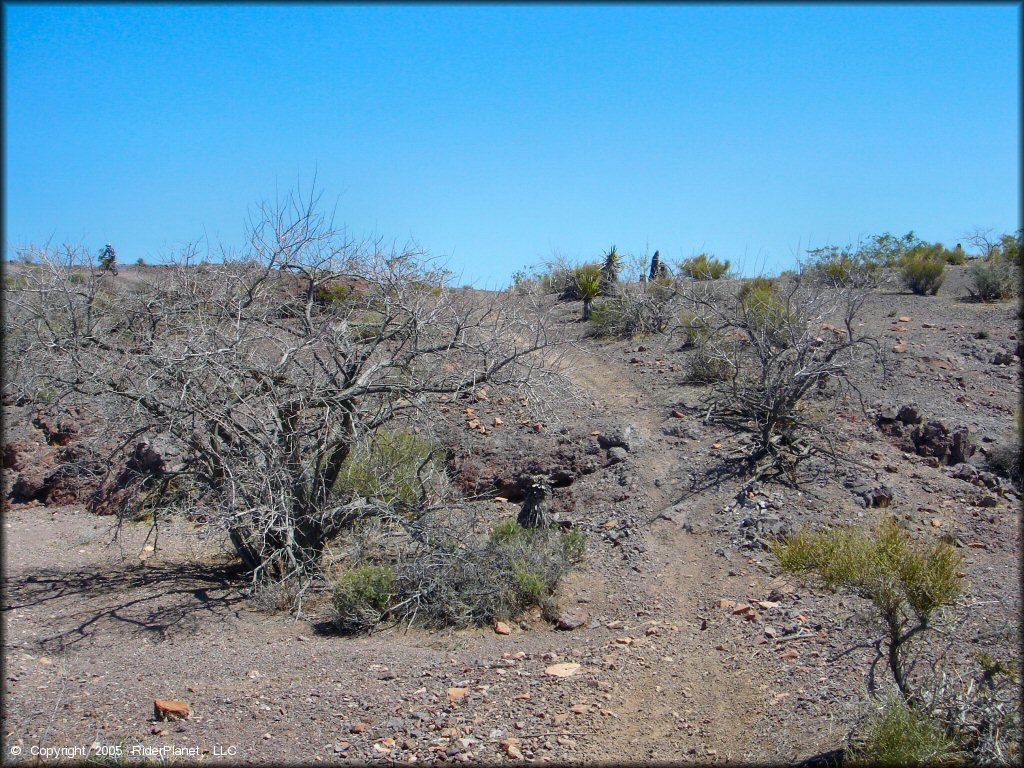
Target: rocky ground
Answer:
[[694, 649]]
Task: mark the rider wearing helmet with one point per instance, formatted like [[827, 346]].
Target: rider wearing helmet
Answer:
[[108, 258]]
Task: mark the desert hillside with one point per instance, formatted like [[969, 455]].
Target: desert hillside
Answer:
[[675, 636]]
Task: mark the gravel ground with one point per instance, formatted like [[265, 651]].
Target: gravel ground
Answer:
[[695, 649]]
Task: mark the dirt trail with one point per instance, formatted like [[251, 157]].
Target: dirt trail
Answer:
[[689, 686]]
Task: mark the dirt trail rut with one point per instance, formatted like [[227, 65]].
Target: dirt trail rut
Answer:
[[688, 686]]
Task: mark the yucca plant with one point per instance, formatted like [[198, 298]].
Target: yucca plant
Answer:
[[610, 271], [587, 280]]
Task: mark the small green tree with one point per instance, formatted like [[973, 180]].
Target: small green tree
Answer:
[[906, 581]]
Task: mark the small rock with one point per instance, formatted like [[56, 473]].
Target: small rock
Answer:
[[565, 669], [454, 694], [572, 618], [510, 747], [617, 455], [501, 628], [171, 709], [359, 728]]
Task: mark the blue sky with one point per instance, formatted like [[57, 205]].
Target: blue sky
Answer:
[[496, 136]]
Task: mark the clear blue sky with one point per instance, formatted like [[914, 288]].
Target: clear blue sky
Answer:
[[498, 135]]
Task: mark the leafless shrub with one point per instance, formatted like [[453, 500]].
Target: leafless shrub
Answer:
[[264, 386], [981, 709], [637, 309], [783, 342]]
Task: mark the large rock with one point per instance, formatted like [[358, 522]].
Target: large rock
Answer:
[[628, 437], [935, 438], [507, 464]]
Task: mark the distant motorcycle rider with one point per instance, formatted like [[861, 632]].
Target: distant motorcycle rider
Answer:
[[108, 259]]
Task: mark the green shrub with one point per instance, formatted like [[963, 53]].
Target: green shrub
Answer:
[[362, 597], [886, 250], [445, 579], [574, 545], [333, 293], [704, 267], [634, 311], [923, 271], [696, 329], [15, 282], [906, 581], [955, 256], [393, 467], [838, 267], [992, 281], [1006, 460], [897, 735], [1010, 248], [762, 309], [705, 367]]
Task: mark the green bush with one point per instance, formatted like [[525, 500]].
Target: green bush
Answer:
[[447, 580], [333, 293], [1007, 460], [923, 272], [762, 309], [886, 250], [704, 267], [838, 267], [1009, 250], [362, 597], [992, 281], [393, 467], [705, 367], [897, 735], [906, 581], [695, 328], [634, 311], [860, 266]]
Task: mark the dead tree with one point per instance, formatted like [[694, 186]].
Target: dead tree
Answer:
[[267, 376]]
